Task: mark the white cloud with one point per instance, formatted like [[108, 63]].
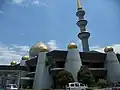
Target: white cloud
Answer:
[[17, 1], [43, 4], [116, 48], [30, 2], [12, 52], [1, 12], [15, 52], [37, 2], [52, 45], [98, 48]]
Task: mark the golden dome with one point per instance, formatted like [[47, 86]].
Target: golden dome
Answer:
[[25, 58], [39, 47], [72, 46], [108, 49], [13, 63]]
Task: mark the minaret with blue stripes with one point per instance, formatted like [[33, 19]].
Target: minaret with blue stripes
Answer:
[[83, 35]]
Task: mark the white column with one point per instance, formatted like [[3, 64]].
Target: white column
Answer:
[[10, 81], [73, 62], [18, 79], [113, 67], [42, 78]]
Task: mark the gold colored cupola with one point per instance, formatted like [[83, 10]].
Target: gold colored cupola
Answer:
[[108, 49], [72, 46]]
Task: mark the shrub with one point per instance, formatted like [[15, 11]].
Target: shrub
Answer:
[[63, 78], [85, 76], [89, 89], [102, 83]]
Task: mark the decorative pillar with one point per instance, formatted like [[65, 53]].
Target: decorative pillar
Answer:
[[42, 79], [73, 60], [112, 65]]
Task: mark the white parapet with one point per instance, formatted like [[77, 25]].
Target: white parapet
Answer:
[[113, 66], [73, 61]]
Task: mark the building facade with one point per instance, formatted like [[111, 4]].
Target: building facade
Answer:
[[38, 70]]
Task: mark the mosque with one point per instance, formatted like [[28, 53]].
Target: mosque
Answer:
[[39, 68]]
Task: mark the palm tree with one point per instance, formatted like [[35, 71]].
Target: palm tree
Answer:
[[63, 78]]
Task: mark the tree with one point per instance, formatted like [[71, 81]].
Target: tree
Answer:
[[102, 83], [63, 78], [85, 76]]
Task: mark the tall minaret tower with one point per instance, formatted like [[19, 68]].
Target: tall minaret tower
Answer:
[[83, 35]]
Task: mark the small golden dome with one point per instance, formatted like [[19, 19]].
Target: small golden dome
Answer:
[[13, 63], [72, 46], [108, 49], [25, 58], [39, 47]]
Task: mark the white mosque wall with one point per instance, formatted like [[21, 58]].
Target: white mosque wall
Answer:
[[73, 62], [113, 67]]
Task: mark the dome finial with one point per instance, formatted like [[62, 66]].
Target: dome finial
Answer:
[[13, 63], [78, 4], [72, 46], [108, 49], [39, 47], [25, 58]]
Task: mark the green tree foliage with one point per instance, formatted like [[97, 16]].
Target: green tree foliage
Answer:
[[85, 76], [63, 78], [102, 83]]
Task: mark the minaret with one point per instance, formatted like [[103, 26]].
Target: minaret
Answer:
[[83, 35], [73, 60], [112, 65], [42, 79]]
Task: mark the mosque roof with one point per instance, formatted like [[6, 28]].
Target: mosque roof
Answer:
[[12, 68], [60, 55]]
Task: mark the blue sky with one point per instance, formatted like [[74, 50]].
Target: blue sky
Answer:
[[25, 22]]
